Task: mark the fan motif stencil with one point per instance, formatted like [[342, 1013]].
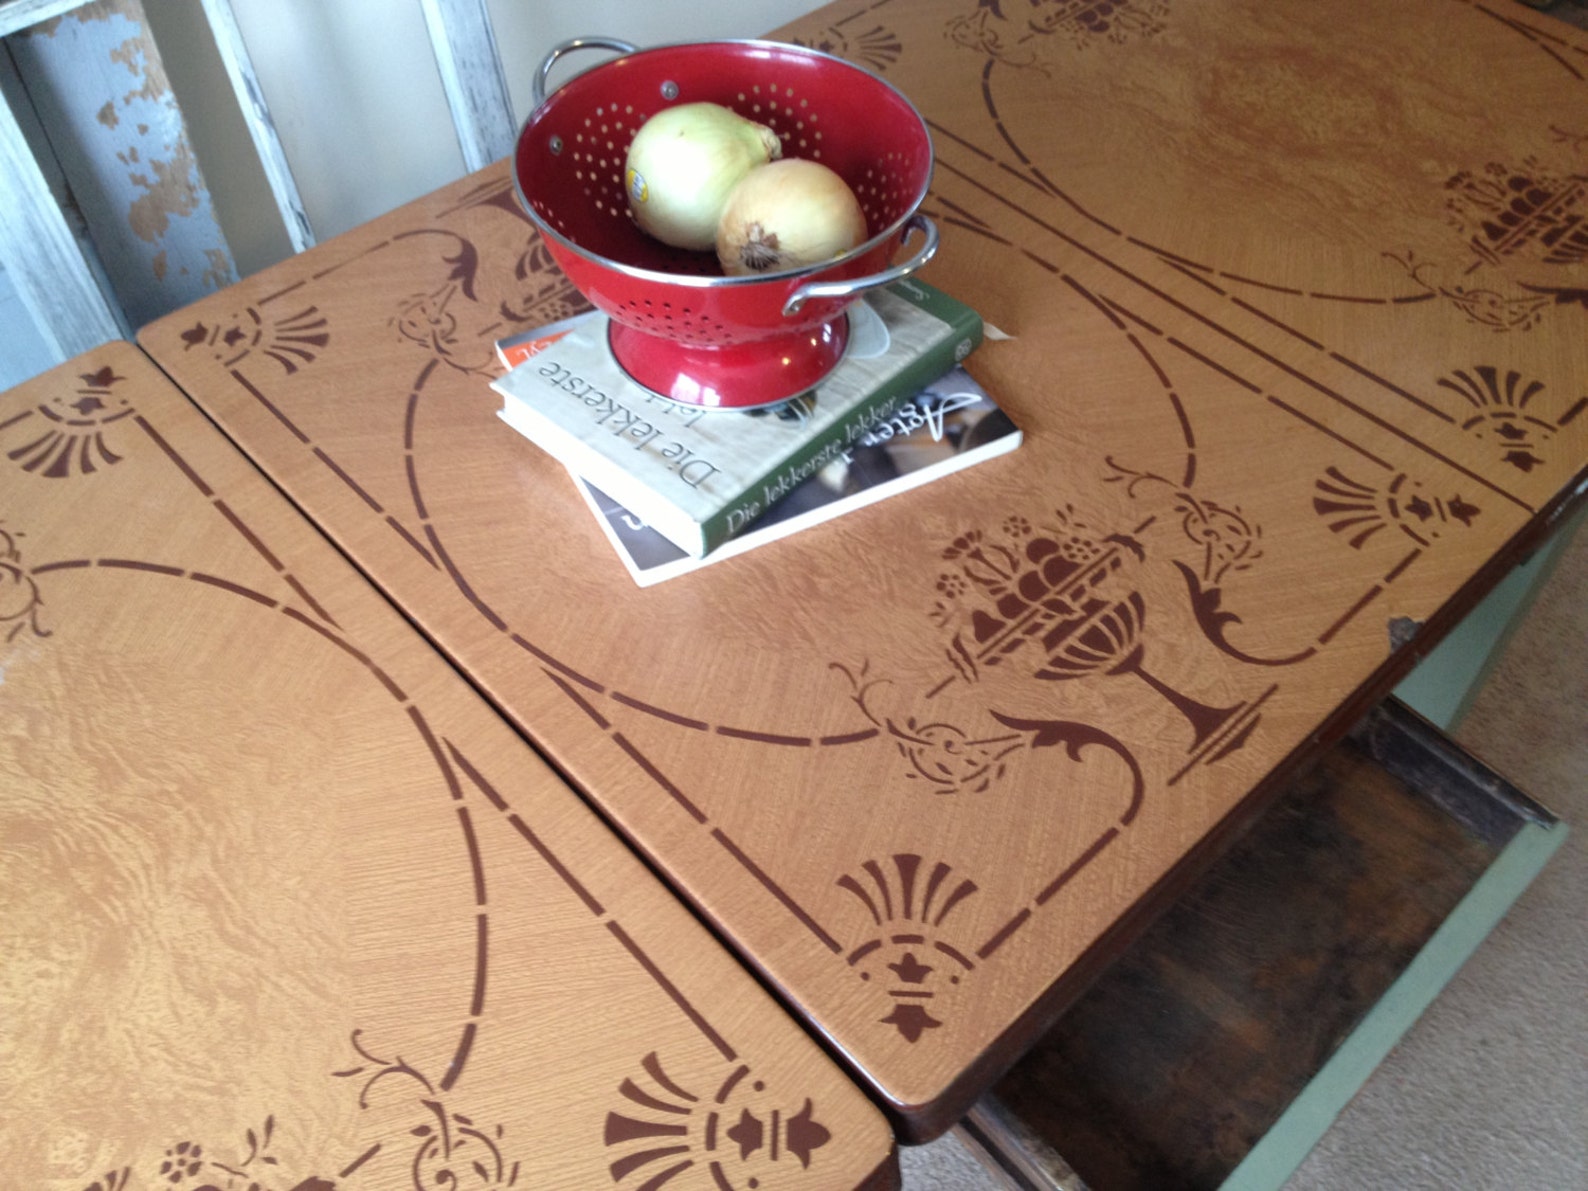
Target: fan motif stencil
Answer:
[[1501, 412], [910, 956], [66, 434], [877, 46], [1357, 510], [728, 1138], [291, 340]]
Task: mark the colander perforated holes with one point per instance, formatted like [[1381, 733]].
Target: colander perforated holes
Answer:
[[776, 110], [550, 215], [681, 323], [611, 131]]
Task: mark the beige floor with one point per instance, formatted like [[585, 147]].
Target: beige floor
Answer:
[[1489, 1090]]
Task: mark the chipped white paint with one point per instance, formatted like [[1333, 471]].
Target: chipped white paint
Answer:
[[19, 14], [58, 285], [471, 74], [95, 79]]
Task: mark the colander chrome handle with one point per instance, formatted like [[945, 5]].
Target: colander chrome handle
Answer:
[[843, 289], [538, 83]]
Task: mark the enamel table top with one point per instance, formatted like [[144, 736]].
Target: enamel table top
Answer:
[[1295, 300], [289, 907]]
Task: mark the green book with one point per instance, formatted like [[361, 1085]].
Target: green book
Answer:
[[700, 476]]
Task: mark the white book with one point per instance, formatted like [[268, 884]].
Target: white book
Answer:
[[700, 476], [948, 426]]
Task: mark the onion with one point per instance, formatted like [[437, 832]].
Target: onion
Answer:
[[682, 164], [785, 215]]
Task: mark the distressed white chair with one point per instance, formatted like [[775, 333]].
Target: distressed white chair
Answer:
[[98, 263]]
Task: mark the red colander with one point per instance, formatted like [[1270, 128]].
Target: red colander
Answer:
[[678, 326]]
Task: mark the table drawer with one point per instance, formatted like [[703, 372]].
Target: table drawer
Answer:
[[1217, 1049]]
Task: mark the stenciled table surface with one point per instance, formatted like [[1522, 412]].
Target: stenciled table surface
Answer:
[[289, 907], [1297, 298]]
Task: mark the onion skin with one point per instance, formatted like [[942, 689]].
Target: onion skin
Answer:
[[786, 215], [683, 163]]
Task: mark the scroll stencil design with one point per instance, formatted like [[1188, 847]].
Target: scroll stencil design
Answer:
[[1014, 31], [458, 320], [1224, 542], [1525, 230], [450, 1149], [1226, 539], [20, 600]]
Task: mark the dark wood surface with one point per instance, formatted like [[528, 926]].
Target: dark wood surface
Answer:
[[1184, 1054]]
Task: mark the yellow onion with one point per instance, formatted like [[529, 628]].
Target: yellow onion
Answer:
[[787, 214], [682, 164]]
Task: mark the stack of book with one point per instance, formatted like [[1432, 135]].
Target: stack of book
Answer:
[[677, 487]]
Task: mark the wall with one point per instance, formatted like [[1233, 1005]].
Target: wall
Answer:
[[354, 91], [23, 351]]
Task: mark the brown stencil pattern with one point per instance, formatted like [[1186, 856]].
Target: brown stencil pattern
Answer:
[[1059, 601], [739, 1134], [743, 1129], [66, 435]]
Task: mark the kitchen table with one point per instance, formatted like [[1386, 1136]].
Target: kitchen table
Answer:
[[289, 906], [1292, 305]]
